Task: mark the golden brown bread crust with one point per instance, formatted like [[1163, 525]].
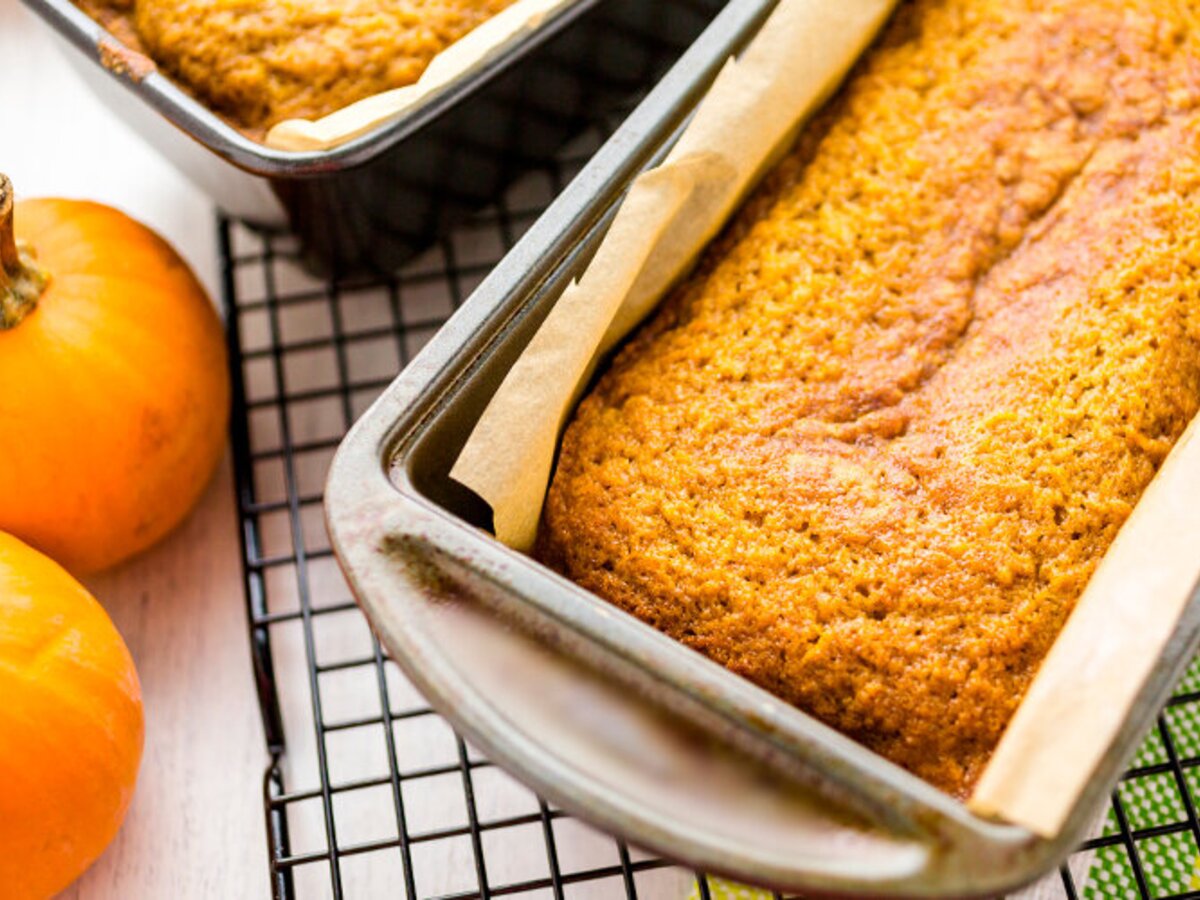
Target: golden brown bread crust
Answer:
[[869, 454], [258, 62]]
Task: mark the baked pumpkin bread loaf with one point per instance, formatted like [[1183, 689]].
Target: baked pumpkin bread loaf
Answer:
[[258, 62], [869, 454]]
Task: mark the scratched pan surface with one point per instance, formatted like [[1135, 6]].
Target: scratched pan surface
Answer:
[[597, 711]]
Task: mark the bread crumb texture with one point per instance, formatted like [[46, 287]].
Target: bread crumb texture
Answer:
[[869, 454], [259, 62]]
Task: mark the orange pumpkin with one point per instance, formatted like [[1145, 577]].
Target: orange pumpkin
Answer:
[[114, 393], [70, 726]]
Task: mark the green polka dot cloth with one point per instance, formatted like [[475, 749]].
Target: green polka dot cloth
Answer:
[[1154, 806]]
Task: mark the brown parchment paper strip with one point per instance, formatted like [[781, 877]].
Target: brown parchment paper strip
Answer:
[[473, 48], [1093, 673], [750, 115]]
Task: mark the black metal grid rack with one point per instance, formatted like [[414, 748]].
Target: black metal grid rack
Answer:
[[369, 792]]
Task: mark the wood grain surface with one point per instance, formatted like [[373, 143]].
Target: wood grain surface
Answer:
[[196, 827]]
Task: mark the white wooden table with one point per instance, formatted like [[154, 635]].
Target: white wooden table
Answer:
[[196, 827]]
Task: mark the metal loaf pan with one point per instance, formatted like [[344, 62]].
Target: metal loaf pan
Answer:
[[597, 711], [374, 201]]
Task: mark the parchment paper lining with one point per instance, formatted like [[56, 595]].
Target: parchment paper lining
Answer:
[[1092, 675], [1099, 663], [474, 48]]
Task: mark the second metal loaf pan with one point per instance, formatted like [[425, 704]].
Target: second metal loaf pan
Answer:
[[374, 201]]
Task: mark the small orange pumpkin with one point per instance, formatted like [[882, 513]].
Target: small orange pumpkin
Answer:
[[71, 726], [114, 393]]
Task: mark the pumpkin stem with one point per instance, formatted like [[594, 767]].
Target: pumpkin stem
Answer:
[[21, 280]]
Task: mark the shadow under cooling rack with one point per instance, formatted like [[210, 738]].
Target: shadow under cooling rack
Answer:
[[370, 793]]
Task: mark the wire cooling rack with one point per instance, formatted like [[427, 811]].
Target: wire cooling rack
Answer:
[[369, 792]]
